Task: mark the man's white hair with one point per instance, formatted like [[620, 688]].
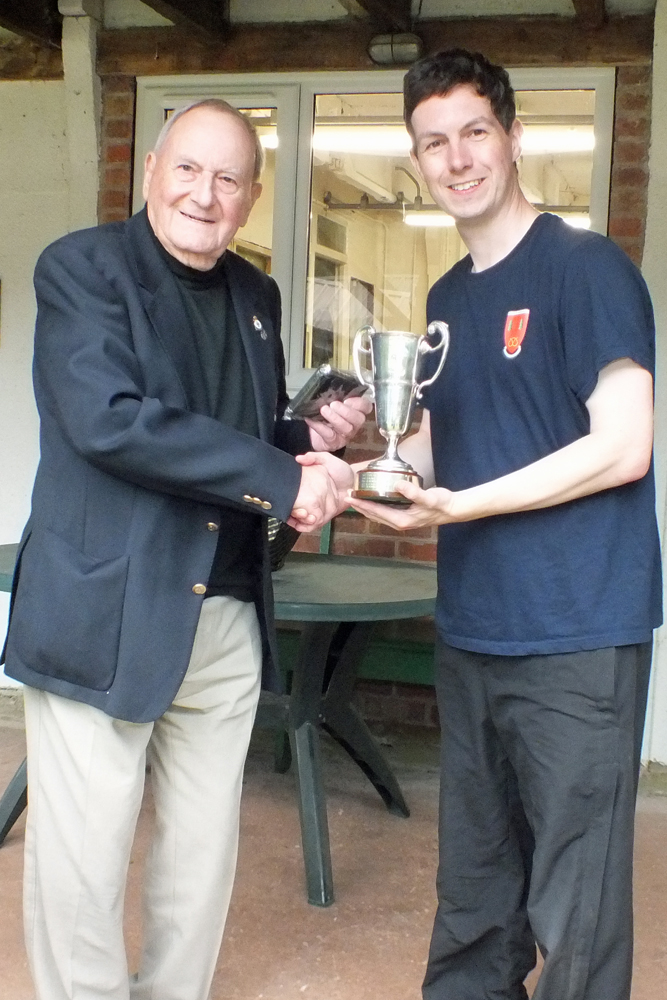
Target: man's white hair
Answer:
[[216, 104]]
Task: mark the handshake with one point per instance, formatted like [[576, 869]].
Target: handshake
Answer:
[[325, 482]]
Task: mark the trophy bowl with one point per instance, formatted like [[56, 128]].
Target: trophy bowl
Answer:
[[396, 361]]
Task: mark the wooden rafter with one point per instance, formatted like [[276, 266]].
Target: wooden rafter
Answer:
[[388, 15], [37, 20], [208, 16], [590, 13], [339, 45]]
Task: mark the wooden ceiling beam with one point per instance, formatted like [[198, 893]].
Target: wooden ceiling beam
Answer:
[[590, 13], [28, 60], [388, 15], [37, 20], [343, 45], [211, 17]]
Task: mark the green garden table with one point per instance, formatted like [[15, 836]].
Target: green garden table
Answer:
[[337, 599]]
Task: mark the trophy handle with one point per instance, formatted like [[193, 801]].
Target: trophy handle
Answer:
[[359, 349], [437, 326]]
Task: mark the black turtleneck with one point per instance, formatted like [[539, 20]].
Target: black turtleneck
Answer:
[[224, 371]]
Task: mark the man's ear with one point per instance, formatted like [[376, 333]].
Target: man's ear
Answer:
[[255, 191], [516, 135], [415, 163], [149, 167]]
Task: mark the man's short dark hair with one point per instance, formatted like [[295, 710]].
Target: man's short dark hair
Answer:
[[436, 76]]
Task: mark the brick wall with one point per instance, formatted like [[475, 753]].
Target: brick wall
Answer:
[[629, 170], [116, 160]]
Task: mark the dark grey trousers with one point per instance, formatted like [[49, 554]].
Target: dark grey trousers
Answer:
[[540, 760]]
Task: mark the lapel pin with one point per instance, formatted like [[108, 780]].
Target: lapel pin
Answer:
[[257, 323]]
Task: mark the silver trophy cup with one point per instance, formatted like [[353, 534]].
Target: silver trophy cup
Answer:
[[396, 360]]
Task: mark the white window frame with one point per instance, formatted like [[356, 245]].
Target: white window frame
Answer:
[[293, 94]]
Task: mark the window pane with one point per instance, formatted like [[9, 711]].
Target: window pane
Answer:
[[254, 241], [368, 262], [557, 159]]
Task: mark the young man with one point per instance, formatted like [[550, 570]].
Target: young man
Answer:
[[142, 613], [535, 449]]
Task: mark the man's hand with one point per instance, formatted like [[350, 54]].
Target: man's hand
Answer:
[[429, 507], [318, 499], [343, 419], [341, 478]]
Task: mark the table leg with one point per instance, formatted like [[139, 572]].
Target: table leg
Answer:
[[14, 800], [304, 719], [340, 718]]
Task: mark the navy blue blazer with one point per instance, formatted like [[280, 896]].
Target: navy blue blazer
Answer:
[[133, 469]]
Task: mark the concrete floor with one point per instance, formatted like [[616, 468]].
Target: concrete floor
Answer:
[[371, 944]]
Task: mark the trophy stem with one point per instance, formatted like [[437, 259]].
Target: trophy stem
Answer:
[[391, 453]]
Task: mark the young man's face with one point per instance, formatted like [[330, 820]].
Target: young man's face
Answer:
[[199, 186], [464, 154]]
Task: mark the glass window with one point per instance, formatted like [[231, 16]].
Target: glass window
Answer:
[[344, 224], [376, 241]]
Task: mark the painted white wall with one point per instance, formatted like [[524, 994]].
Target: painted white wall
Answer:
[[655, 255], [34, 212]]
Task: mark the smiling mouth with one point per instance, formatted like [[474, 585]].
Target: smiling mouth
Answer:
[[465, 185], [196, 218]]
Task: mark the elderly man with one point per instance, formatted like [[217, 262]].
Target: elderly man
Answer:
[[142, 609], [535, 449]]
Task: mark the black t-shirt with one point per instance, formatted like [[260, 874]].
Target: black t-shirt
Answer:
[[528, 339], [224, 371]]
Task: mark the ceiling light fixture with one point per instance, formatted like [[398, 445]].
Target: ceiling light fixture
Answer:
[[394, 50], [430, 219]]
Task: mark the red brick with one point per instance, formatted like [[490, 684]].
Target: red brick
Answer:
[[351, 526], [119, 128], [117, 176], [632, 101], [113, 215], [632, 127], [625, 200], [120, 153], [117, 83], [119, 107], [115, 199], [632, 76], [419, 553], [411, 711], [629, 177], [626, 227], [628, 151], [364, 546], [375, 528], [308, 543], [425, 533]]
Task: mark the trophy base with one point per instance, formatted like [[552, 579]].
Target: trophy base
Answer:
[[379, 485]]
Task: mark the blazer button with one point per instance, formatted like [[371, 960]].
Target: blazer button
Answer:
[[212, 526], [266, 505], [199, 588], [248, 498]]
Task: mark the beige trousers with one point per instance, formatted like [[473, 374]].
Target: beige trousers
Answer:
[[86, 776]]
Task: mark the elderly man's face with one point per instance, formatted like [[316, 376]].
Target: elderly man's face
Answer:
[[199, 187]]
